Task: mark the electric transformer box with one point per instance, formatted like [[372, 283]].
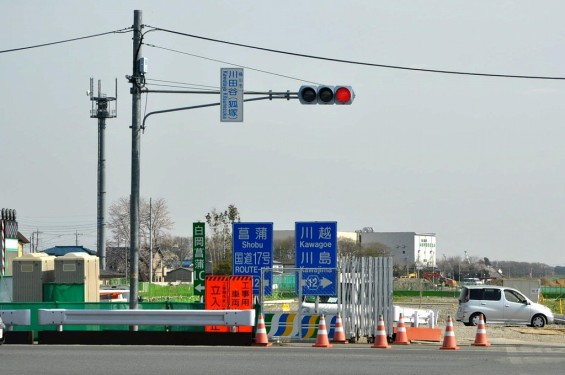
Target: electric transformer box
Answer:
[[30, 272], [79, 268]]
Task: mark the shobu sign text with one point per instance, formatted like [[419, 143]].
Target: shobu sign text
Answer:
[[252, 251]]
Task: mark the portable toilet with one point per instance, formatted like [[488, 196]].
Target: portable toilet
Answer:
[[79, 268], [30, 272]]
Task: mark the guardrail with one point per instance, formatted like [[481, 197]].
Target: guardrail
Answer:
[[12, 318], [61, 317]]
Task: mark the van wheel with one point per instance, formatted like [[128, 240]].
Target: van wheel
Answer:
[[538, 321], [474, 319]]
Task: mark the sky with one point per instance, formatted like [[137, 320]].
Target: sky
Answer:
[[477, 160]]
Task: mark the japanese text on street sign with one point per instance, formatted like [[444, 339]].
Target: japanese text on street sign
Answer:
[[253, 250], [231, 95], [316, 251], [199, 257]]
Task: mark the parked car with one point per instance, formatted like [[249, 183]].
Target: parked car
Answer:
[[500, 305], [2, 328]]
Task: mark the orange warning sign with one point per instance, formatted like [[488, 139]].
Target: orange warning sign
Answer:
[[216, 298], [241, 296], [228, 293]]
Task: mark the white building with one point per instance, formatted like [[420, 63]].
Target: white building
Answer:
[[408, 249]]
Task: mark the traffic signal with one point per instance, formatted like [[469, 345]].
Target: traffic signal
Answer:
[[326, 94]]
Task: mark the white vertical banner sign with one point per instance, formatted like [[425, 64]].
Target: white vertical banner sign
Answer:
[[231, 95]]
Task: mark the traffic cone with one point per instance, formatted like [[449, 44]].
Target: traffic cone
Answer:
[[261, 338], [339, 333], [449, 341], [481, 336], [322, 338], [381, 341], [401, 336]]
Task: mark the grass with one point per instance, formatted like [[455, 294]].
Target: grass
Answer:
[[185, 293], [160, 293]]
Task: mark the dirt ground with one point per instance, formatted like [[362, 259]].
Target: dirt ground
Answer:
[[445, 307]]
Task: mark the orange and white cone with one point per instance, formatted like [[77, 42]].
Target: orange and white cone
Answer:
[[339, 333], [381, 340], [261, 338], [401, 336], [322, 340], [481, 336], [449, 341]]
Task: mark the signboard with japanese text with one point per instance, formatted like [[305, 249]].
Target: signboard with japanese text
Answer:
[[231, 94], [241, 296], [253, 250], [228, 293], [316, 252], [216, 298], [199, 257]]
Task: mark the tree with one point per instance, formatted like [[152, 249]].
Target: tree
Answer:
[[219, 244], [154, 218], [284, 249]]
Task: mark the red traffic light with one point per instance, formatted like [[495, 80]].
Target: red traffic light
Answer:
[[326, 95], [344, 95]]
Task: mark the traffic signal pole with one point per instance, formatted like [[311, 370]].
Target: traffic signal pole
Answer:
[[137, 81]]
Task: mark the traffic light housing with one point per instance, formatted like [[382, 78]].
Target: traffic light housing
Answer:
[[342, 95]]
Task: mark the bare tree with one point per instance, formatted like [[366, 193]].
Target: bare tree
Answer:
[[159, 223], [219, 244]]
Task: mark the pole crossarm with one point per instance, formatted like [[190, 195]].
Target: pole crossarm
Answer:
[[271, 96]]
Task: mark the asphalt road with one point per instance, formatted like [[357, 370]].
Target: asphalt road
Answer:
[[291, 359]]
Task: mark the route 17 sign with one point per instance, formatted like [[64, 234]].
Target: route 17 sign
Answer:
[[316, 253], [253, 250]]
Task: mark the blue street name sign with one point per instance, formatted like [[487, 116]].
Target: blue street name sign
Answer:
[[252, 251], [231, 94], [316, 252]]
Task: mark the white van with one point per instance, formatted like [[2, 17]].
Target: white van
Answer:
[[2, 327], [500, 305]]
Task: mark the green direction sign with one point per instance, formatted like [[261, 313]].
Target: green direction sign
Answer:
[[198, 257]]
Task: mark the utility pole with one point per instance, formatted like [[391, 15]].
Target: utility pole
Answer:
[[102, 111], [150, 243], [76, 236], [136, 81]]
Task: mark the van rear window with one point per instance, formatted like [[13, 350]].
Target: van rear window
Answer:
[[485, 294]]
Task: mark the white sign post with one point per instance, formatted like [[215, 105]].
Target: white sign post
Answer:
[[231, 95]]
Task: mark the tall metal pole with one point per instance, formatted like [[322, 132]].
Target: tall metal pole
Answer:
[[102, 111], [136, 81], [101, 242]]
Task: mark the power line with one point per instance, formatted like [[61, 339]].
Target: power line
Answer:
[[352, 61], [183, 84], [128, 29], [232, 64]]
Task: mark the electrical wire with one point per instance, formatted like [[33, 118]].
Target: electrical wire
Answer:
[[183, 83], [121, 31], [352, 61], [232, 64]]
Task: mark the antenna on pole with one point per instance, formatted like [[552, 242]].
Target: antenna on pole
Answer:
[[103, 107]]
